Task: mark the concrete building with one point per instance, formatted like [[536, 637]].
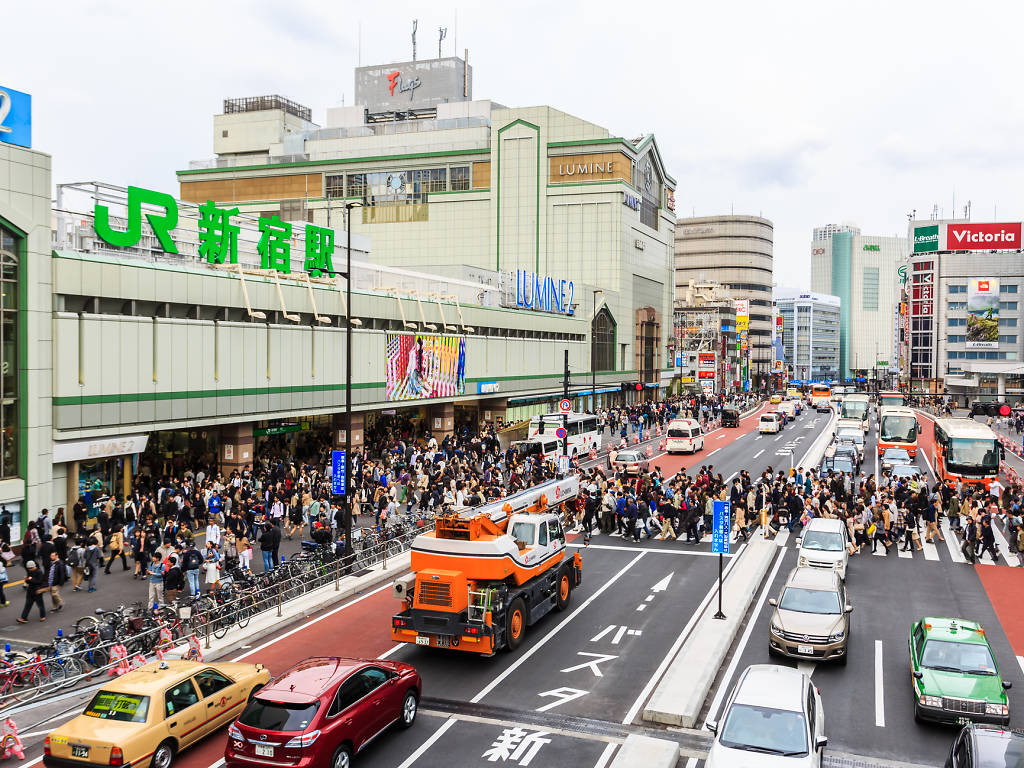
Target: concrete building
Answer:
[[735, 251], [863, 271], [461, 187], [964, 308], [810, 334], [705, 324]]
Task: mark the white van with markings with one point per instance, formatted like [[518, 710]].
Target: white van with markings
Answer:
[[769, 424], [684, 435]]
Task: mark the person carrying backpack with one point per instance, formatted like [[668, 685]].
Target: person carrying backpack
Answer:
[[76, 558], [193, 562]]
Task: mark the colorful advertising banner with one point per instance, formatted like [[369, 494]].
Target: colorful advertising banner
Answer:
[[707, 361], [982, 313], [422, 367], [742, 307], [982, 237], [926, 239]]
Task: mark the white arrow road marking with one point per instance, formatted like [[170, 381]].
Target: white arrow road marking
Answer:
[[562, 695], [662, 585], [1020, 660], [592, 665]]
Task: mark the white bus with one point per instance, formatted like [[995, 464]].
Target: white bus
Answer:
[[584, 430], [856, 406]]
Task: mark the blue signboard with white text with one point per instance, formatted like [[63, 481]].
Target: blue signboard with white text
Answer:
[[15, 117], [338, 472], [720, 526]]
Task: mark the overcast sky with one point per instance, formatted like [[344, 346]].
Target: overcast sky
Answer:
[[805, 113]]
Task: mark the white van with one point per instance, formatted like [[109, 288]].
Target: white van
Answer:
[[823, 544], [787, 407], [769, 423], [684, 435]]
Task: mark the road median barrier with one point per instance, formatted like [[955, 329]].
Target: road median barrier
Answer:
[[647, 752], [679, 696]]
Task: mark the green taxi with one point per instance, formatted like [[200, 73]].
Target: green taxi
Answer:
[[955, 676]]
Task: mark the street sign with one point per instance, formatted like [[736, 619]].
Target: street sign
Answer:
[[338, 472], [560, 433], [563, 463], [564, 406], [720, 528]]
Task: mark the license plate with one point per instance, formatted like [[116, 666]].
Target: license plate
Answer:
[[78, 750], [805, 649], [422, 640], [262, 750], [963, 721]]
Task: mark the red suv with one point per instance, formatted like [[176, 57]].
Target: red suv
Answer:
[[323, 711]]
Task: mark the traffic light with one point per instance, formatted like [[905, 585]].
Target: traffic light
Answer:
[[638, 386]]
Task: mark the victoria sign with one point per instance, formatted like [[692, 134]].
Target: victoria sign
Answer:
[[983, 237]]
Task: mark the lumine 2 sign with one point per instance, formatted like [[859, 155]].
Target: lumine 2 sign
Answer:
[[218, 236], [543, 293]]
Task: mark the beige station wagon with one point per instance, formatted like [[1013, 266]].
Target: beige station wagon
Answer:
[[812, 617]]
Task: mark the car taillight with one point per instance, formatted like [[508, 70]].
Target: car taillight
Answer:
[[46, 745], [116, 756], [399, 622], [471, 630], [234, 733], [305, 740]]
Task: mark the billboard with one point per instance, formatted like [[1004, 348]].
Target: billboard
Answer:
[[419, 367], [926, 239], [742, 307], [983, 237], [982, 313], [707, 360]]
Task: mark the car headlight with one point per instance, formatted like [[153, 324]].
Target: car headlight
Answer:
[[931, 701], [835, 637], [802, 561], [776, 629], [997, 709]]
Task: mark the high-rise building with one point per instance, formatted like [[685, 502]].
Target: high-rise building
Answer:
[[863, 271], [735, 251], [810, 333]]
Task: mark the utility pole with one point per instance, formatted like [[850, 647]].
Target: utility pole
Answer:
[[565, 416]]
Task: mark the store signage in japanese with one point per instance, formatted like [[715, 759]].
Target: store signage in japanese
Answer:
[[218, 235], [545, 294], [15, 117]]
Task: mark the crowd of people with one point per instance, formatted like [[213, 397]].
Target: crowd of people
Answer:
[[402, 477]]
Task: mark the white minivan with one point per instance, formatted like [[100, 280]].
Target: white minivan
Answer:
[[824, 544], [769, 423], [684, 435]]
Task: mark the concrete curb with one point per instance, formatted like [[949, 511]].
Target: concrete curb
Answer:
[[294, 611], [681, 693], [647, 752]]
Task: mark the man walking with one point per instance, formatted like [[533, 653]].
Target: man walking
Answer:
[[56, 578], [270, 541], [35, 588], [93, 557]]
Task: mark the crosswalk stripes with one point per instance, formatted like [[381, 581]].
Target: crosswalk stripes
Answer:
[[905, 554], [951, 542], [930, 551], [1002, 545]]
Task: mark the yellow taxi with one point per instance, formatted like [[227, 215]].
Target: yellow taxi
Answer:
[[776, 398], [145, 717]]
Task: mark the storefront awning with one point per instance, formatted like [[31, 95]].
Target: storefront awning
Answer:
[[98, 448]]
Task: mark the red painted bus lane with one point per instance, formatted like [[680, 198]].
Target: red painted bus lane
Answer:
[[1004, 587], [716, 438]]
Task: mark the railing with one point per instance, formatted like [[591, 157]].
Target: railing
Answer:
[[302, 575]]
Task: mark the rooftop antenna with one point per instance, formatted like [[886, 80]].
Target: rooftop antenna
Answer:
[[967, 211], [442, 33], [359, 46], [415, 23]]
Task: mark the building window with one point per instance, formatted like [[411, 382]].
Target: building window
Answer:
[[1007, 304], [460, 178], [603, 329], [334, 186], [953, 339], [1006, 322], [869, 294], [958, 289], [1008, 339], [649, 212], [955, 305], [356, 186], [956, 321], [9, 246], [1011, 288]]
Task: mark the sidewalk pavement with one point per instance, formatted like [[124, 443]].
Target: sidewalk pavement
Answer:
[[111, 591]]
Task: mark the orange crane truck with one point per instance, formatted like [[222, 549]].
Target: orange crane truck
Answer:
[[485, 574]]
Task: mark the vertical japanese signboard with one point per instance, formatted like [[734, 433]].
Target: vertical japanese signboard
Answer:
[[720, 526], [338, 478]]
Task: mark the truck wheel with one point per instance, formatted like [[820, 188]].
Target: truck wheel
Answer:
[[564, 590], [516, 626]]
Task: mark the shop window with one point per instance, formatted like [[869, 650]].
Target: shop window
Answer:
[[9, 246], [356, 185]]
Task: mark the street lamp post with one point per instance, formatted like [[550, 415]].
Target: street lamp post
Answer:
[[348, 375], [593, 363]]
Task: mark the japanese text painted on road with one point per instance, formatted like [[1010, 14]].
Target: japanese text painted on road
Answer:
[[720, 527], [338, 472]]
